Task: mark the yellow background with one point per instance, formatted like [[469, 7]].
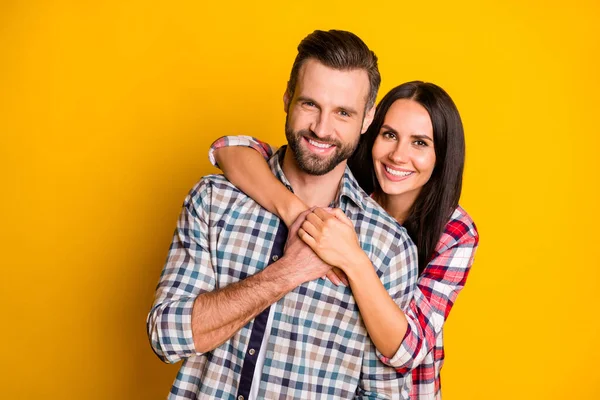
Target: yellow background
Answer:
[[107, 110]]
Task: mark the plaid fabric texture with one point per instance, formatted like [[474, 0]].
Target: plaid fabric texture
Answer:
[[265, 149], [422, 349], [318, 345]]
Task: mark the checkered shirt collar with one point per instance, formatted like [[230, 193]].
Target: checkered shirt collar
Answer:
[[349, 187]]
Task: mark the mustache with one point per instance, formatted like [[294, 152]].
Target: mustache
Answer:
[[308, 134]]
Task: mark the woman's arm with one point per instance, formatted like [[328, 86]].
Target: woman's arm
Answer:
[[332, 236], [436, 292], [402, 339], [243, 162]]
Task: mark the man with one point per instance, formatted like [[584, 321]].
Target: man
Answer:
[[252, 320]]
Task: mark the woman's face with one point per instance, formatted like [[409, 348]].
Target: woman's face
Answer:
[[403, 152]]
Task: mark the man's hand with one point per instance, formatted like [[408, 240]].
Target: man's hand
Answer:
[[331, 235], [303, 261]]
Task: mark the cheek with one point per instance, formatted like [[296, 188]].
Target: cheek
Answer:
[[378, 150], [426, 162], [295, 117], [348, 130], [299, 116]]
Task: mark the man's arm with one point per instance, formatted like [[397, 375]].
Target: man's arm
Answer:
[[191, 315], [218, 315]]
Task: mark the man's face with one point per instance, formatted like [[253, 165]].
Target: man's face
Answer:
[[326, 116]]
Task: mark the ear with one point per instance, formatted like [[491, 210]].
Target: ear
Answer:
[[286, 101], [368, 119]]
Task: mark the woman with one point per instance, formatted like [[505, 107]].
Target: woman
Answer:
[[411, 160]]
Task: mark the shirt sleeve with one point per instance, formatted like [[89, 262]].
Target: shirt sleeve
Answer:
[[188, 272], [378, 380], [265, 149], [437, 289]]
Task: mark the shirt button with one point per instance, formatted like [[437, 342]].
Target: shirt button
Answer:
[[251, 352], [240, 397], [275, 257]]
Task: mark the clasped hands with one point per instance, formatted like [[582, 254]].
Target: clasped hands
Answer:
[[330, 234]]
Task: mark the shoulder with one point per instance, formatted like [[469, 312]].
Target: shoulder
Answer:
[[208, 184], [459, 231], [211, 191], [369, 215], [382, 230], [389, 247]]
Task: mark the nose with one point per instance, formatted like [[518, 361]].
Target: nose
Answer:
[[322, 126], [399, 154]]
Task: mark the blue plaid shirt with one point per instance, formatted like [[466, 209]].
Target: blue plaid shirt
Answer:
[[318, 346]]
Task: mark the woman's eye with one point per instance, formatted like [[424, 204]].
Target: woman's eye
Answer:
[[389, 135], [420, 143]]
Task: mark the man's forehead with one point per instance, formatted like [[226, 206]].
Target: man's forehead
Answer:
[[316, 78]]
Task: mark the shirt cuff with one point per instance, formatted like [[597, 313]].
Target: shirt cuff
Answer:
[[406, 353], [239, 140], [175, 330]]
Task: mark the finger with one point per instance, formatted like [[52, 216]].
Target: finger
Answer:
[[333, 278], [301, 217], [310, 229], [341, 275], [322, 214], [315, 220], [339, 214], [329, 210], [306, 238]]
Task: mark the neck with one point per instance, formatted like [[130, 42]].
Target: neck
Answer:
[[397, 206], [313, 190]]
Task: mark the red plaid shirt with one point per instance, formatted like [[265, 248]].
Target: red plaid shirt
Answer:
[[422, 349]]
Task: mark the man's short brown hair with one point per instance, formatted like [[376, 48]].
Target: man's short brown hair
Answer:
[[339, 50]]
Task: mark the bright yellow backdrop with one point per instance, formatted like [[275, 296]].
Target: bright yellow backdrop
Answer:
[[106, 113]]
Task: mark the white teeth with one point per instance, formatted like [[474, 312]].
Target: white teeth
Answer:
[[320, 145], [397, 173]]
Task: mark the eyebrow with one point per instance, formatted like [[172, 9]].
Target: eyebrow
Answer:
[[349, 110], [421, 137], [304, 98]]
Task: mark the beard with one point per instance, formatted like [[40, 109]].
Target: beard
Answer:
[[312, 163]]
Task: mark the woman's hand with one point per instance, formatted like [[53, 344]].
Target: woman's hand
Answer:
[[332, 237]]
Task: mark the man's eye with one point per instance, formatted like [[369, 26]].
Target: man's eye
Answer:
[[309, 104], [344, 113]]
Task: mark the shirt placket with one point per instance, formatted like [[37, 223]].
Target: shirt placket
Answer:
[[260, 323]]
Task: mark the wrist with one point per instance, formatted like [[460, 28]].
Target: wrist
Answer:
[[286, 273], [289, 209], [357, 267]]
